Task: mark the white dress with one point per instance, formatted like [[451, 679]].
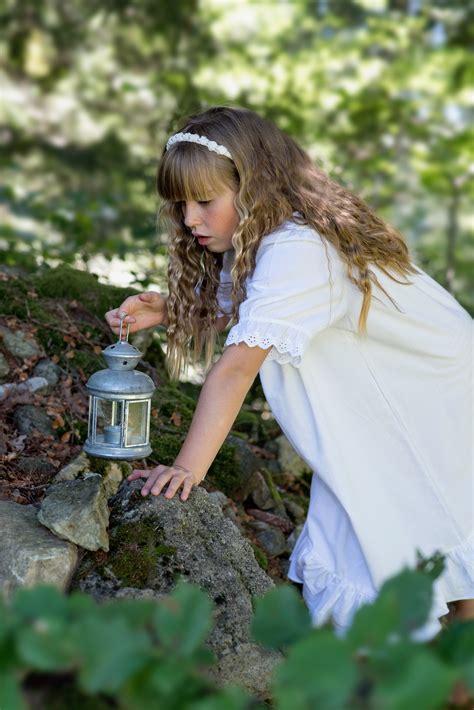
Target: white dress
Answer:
[[384, 421]]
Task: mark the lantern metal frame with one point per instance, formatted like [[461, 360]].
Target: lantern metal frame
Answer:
[[120, 384]]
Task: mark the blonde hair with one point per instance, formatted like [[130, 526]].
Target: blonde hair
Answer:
[[273, 178]]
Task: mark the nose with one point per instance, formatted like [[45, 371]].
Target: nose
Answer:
[[191, 214]]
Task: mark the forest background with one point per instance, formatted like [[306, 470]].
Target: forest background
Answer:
[[377, 91]]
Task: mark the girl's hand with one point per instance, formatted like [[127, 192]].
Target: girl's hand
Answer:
[[158, 477], [145, 310]]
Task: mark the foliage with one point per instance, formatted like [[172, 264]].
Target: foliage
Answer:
[[147, 654], [376, 91]]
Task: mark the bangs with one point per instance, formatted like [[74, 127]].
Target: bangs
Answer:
[[189, 172]]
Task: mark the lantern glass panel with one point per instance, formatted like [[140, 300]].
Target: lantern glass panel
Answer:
[[109, 421], [137, 423]]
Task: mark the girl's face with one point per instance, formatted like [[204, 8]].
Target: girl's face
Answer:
[[214, 221]]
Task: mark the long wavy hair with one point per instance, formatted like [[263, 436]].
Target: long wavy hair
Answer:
[[273, 178]]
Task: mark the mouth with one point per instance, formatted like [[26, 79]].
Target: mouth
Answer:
[[202, 240]]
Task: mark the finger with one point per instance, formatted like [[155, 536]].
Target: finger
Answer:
[[187, 488], [139, 473], [155, 486], [148, 296], [172, 488]]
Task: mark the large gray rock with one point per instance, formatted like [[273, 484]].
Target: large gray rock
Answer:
[[29, 553], [153, 540], [27, 418], [77, 511], [19, 344]]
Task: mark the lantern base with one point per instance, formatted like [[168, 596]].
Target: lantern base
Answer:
[[106, 451]]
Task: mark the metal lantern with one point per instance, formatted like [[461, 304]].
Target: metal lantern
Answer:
[[119, 405]]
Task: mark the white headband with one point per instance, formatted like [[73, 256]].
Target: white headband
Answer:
[[202, 140]]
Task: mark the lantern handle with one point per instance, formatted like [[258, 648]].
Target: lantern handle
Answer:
[[122, 316]]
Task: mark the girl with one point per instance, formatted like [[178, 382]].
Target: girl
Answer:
[[364, 359]]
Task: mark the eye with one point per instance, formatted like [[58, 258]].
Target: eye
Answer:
[[204, 202]]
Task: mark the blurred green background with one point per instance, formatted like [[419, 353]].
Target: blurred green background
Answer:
[[376, 90]]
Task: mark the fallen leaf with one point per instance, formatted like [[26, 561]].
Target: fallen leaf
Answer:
[[58, 422], [66, 437], [176, 418], [71, 354], [55, 359], [97, 349]]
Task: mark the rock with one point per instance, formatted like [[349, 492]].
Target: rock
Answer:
[[154, 540], [27, 418], [250, 666], [33, 384], [293, 537], [47, 369], [245, 465], [30, 554], [296, 511], [219, 498], [19, 344], [289, 459], [227, 507], [77, 511], [111, 472], [73, 469], [35, 464], [4, 367], [271, 539], [260, 493]]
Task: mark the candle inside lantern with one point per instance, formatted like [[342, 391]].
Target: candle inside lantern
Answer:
[[112, 434]]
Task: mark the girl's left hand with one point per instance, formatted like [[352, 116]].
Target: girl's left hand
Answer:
[[158, 477]]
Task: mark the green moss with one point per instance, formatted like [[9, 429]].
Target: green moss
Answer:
[[135, 550], [260, 556], [169, 399], [68, 283], [101, 465], [247, 422], [271, 485], [224, 471], [165, 447]]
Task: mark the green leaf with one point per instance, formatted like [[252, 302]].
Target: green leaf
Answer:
[[230, 698], [183, 619], [281, 617], [412, 678], [455, 645], [111, 651], [402, 606], [167, 682], [412, 591], [373, 623], [318, 673], [45, 645], [10, 694], [39, 603]]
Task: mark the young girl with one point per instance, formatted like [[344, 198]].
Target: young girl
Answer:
[[364, 359]]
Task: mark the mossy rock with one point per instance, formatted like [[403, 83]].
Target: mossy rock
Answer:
[[135, 551], [64, 282], [260, 556]]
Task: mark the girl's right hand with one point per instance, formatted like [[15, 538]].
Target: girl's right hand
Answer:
[[146, 310]]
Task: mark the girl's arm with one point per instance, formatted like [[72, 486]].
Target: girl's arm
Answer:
[[220, 400]]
